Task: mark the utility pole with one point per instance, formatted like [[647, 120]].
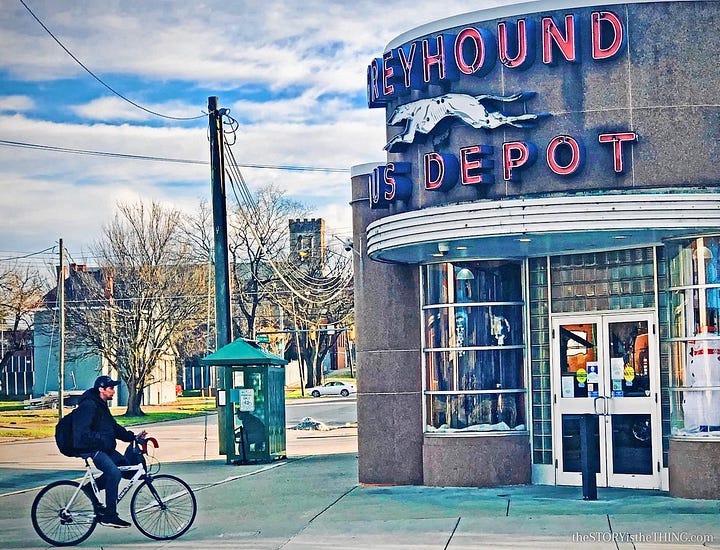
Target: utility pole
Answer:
[[61, 330], [223, 319]]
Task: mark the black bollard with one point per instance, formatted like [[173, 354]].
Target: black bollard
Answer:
[[589, 455]]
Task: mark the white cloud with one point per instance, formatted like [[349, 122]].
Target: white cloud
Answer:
[[15, 103], [291, 72], [114, 108]]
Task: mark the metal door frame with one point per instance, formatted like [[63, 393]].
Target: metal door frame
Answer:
[[605, 405]]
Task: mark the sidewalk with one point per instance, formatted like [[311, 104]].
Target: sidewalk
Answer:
[[313, 501]]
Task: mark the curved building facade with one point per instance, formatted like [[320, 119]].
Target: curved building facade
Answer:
[[541, 243]]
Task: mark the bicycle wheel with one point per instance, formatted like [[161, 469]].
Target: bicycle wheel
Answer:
[[59, 524], [163, 507]]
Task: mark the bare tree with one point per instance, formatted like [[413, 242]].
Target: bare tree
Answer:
[[314, 292], [151, 292], [21, 293], [196, 231], [258, 235], [320, 305]]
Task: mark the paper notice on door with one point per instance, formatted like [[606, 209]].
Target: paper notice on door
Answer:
[[616, 368], [593, 375], [568, 388]]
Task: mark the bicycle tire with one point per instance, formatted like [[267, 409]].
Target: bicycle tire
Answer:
[[77, 523], [170, 516]]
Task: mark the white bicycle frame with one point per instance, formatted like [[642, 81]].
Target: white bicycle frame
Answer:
[[91, 472]]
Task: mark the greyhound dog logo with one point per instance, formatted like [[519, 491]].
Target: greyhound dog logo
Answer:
[[422, 116]]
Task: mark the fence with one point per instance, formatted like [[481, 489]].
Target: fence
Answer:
[[16, 381]]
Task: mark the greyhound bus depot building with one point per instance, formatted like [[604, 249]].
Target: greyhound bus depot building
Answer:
[[542, 242]]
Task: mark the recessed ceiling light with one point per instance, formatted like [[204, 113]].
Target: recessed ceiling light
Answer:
[[524, 240], [619, 237], [438, 254], [461, 247]]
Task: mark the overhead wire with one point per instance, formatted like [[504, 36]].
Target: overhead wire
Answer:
[[58, 149], [101, 81], [302, 289], [238, 184], [310, 282], [29, 255]]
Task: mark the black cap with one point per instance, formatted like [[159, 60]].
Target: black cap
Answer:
[[106, 382]]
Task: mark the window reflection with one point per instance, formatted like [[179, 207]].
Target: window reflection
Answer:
[[694, 271], [474, 346]]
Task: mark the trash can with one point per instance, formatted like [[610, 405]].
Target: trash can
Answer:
[[253, 402]]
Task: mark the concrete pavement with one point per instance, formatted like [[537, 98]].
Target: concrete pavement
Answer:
[[313, 500]]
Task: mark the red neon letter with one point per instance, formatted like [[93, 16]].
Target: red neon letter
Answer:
[[515, 155], [471, 171], [387, 74], [522, 45], [373, 83], [406, 62], [389, 183], [477, 40], [617, 141], [576, 156], [566, 44], [437, 59], [598, 17], [434, 163]]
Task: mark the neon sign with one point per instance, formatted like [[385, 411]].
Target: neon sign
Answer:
[[475, 51], [564, 156]]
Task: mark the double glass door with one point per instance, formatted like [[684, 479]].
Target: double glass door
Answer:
[[606, 366]]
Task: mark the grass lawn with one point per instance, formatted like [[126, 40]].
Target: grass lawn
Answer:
[[15, 421], [35, 424]]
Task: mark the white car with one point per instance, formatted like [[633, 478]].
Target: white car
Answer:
[[333, 388]]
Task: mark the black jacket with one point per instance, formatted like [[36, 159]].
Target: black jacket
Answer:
[[94, 427]]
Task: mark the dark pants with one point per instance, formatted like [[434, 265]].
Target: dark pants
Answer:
[[108, 464]]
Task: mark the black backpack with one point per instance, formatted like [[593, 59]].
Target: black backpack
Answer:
[[64, 435]]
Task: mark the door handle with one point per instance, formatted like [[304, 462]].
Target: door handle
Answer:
[[595, 407], [605, 407]]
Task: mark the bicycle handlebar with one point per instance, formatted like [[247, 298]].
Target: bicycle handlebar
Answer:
[[143, 443]]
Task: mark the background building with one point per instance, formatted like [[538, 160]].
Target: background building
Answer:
[[84, 365]]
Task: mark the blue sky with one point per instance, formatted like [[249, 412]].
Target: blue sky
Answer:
[[292, 73]]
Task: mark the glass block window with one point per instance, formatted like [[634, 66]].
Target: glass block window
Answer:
[[603, 281], [540, 361]]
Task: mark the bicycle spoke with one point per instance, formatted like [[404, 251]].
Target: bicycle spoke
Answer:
[[62, 517], [163, 508]]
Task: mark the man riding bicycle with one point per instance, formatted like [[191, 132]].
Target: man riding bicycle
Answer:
[[94, 433]]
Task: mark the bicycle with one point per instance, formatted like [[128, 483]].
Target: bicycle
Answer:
[[163, 507]]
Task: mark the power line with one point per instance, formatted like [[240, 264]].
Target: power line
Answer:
[[113, 90], [247, 207], [57, 149], [28, 255]]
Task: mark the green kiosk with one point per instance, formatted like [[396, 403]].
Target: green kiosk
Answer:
[[254, 402]]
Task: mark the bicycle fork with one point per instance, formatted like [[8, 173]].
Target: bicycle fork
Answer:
[[155, 494]]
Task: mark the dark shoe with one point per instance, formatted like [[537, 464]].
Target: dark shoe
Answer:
[[114, 521]]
